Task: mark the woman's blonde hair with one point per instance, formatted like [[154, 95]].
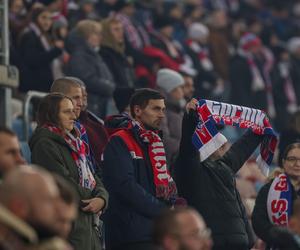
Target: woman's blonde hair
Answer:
[[88, 27]]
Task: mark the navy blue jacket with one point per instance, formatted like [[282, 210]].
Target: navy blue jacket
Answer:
[[128, 177]]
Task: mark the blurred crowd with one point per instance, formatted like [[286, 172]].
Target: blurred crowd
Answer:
[[107, 65]]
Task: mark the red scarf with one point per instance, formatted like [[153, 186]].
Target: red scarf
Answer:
[[164, 183]]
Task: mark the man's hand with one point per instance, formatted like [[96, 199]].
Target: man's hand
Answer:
[[191, 105], [94, 205]]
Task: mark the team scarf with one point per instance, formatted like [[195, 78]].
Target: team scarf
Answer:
[[261, 81], [279, 202], [207, 139], [164, 184], [78, 153]]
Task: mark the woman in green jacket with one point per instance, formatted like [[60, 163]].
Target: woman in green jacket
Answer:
[[56, 146]]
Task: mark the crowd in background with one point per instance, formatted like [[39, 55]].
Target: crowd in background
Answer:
[[99, 52]]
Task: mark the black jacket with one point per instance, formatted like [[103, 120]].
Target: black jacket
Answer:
[[128, 177], [210, 187], [260, 220]]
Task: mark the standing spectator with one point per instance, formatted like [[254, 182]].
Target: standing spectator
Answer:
[[113, 52], [10, 152], [207, 80], [188, 87], [274, 203], [171, 84], [294, 49], [181, 228], [136, 175], [85, 63], [250, 75], [38, 52], [56, 145], [209, 185]]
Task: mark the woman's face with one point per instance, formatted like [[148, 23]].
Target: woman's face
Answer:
[[66, 115], [44, 21], [291, 164], [116, 30]]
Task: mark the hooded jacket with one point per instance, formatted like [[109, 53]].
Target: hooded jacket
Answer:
[[50, 151]]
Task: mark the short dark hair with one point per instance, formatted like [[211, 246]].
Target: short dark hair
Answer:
[[141, 98], [65, 190], [166, 223], [122, 97], [7, 131], [62, 85], [49, 108]]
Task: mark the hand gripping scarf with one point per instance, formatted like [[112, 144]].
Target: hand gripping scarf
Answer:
[[279, 202], [207, 139], [164, 183], [78, 153]]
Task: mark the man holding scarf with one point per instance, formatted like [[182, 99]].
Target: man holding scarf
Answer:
[[205, 168], [135, 174]]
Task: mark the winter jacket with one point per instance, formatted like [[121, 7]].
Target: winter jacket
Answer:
[[86, 64], [260, 220], [128, 177], [36, 63], [210, 187], [50, 151]]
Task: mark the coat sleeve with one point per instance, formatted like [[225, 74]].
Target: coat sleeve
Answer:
[[46, 155], [100, 191], [241, 150], [118, 176], [260, 220]]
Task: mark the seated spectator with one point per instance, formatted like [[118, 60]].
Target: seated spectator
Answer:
[[181, 228], [10, 152], [56, 146], [83, 44], [273, 206], [23, 210], [170, 83], [38, 51], [113, 52]]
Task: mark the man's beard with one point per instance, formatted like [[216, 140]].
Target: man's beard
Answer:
[[43, 231]]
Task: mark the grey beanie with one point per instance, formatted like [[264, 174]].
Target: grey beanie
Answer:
[[168, 80], [197, 31], [293, 44]]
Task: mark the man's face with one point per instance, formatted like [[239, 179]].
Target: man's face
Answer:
[[43, 207], [188, 88], [10, 153], [152, 115], [193, 233], [75, 93], [66, 213], [177, 93], [84, 99]]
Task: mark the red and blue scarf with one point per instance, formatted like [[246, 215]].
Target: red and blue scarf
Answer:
[[279, 202], [79, 154], [207, 139], [164, 183]]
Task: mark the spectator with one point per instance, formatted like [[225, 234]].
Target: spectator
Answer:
[[113, 52], [23, 224], [294, 49], [181, 228], [141, 186], [85, 63], [38, 51], [171, 84], [273, 206], [56, 145], [188, 87], [10, 152], [209, 186]]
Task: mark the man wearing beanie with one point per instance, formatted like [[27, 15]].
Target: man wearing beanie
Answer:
[[171, 83]]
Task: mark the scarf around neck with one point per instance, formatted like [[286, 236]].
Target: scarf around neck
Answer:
[[79, 155], [207, 139], [165, 186]]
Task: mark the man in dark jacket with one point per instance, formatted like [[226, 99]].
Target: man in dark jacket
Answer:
[[209, 186], [136, 176]]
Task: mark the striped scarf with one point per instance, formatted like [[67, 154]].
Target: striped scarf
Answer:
[[78, 153], [207, 139], [279, 202], [164, 183]]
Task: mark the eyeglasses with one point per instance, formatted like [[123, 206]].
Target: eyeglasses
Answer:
[[292, 159]]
